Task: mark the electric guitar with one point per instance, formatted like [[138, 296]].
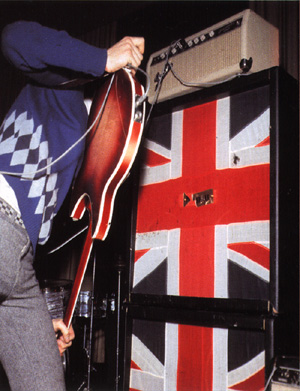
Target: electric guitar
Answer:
[[116, 120]]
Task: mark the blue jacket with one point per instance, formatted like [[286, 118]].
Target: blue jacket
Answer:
[[45, 120]]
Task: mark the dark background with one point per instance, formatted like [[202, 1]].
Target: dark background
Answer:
[[103, 23], [160, 22]]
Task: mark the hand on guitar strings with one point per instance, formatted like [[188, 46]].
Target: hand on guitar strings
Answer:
[[64, 335], [127, 51]]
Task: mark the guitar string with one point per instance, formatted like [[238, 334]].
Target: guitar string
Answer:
[[159, 84], [141, 99], [67, 241]]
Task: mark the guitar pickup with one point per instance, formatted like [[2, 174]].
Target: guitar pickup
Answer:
[[204, 197]]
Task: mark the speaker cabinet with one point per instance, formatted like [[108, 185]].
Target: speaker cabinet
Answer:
[[173, 356], [243, 42], [214, 267], [217, 207]]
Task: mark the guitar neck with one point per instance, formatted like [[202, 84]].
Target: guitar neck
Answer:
[[84, 260]]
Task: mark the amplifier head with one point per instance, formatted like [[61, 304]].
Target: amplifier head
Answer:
[[244, 42]]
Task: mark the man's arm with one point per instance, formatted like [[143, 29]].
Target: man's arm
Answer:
[[36, 50], [127, 51]]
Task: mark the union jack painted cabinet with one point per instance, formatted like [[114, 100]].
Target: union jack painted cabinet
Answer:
[[213, 292]]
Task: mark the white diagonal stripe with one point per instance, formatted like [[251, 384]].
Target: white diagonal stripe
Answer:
[[245, 371], [249, 265], [145, 381], [145, 359], [157, 148], [252, 134], [148, 262], [169, 170]]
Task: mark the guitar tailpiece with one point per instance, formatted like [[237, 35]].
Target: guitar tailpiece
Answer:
[[138, 115]]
